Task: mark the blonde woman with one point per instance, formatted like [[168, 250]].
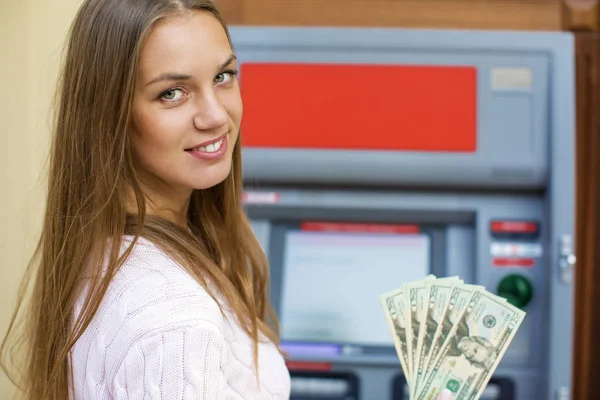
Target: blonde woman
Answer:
[[148, 283]]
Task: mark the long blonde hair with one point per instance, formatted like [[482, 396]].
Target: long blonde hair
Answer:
[[91, 173]]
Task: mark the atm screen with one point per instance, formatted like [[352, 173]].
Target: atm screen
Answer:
[[333, 274]]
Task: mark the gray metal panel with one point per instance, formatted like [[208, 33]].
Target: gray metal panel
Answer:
[[513, 128], [560, 214], [262, 230], [540, 357], [460, 257]]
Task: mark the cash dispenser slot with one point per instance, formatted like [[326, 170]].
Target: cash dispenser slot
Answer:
[[317, 385]]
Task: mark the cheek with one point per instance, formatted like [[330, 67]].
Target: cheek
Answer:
[[159, 130], [232, 102]]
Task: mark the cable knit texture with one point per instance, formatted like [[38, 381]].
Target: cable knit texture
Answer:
[[159, 335]]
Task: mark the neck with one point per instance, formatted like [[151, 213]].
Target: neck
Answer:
[[171, 205]]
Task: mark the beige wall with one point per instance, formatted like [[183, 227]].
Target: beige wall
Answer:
[[31, 37]]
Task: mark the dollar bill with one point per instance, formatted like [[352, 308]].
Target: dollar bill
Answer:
[[437, 297], [396, 307], [393, 307], [414, 293], [459, 299], [473, 348]]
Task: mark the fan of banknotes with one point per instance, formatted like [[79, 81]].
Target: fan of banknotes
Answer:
[[449, 335]]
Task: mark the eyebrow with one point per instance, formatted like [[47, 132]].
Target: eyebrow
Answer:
[[172, 76], [229, 60]]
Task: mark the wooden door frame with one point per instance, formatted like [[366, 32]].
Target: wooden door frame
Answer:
[[586, 346], [584, 23]]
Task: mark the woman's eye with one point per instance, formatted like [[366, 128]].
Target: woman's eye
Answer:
[[224, 77], [172, 95]]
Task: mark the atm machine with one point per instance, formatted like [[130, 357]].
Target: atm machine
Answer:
[[374, 157]]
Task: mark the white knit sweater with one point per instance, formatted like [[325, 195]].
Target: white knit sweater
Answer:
[[159, 335]]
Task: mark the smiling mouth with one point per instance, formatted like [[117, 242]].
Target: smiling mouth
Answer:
[[211, 148]]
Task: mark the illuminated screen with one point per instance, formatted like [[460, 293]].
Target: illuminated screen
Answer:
[[332, 280]]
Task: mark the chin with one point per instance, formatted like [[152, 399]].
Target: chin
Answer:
[[210, 180]]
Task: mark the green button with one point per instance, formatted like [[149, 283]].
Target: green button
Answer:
[[516, 289]]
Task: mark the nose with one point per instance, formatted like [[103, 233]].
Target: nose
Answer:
[[210, 114]]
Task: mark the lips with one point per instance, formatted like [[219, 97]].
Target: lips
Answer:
[[209, 146], [211, 150]]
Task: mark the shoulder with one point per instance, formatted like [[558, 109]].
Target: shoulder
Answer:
[[152, 290], [151, 297], [158, 332]]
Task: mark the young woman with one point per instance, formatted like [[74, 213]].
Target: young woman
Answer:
[[149, 281]]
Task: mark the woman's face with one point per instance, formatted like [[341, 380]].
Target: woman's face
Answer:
[[187, 106]]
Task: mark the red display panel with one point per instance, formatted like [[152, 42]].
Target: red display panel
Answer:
[[359, 107]]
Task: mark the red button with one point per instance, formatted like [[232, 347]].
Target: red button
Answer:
[[514, 227], [514, 262]]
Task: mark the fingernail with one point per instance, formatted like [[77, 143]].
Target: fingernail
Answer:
[[446, 394]]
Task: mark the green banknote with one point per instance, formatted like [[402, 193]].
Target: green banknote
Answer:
[[448, 335], [473, 348]]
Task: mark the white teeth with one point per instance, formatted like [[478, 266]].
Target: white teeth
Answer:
[[211, 148]]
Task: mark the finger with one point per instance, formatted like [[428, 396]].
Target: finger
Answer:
[[445, 395]]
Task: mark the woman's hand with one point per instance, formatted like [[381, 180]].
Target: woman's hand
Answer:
[[444, 395]]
